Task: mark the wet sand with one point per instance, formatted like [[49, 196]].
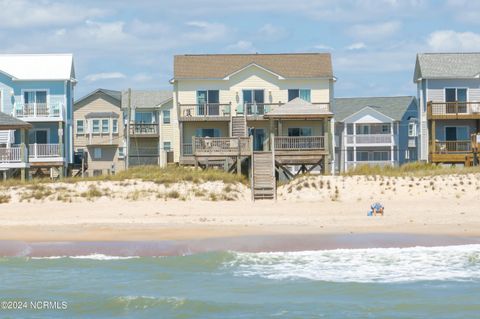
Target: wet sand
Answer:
[[271, 243]]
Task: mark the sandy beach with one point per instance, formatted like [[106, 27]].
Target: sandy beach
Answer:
[[315, 205]]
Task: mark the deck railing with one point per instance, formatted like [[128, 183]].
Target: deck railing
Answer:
[[11, 154], [265, 108], [52, 110], [452, 147], [143, 129], [205, 110], [353, 164], [44, 150], [221, 146], [453, 108], [369, 139], [297, 143]]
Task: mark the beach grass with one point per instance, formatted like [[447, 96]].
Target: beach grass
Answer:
[[168, 175], [414, 169]]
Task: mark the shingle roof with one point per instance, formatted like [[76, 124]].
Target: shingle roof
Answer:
[[146, 99], [393, 107], [447, 65], [8, 122], [298, 108], [38, 66], [218, 66], [117, 95]]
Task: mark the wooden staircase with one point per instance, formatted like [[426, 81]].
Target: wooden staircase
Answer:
[[239, 126], [263, 176]]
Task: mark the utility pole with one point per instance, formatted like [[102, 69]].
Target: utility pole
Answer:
[[129, 109]]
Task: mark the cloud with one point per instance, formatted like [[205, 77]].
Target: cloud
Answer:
[[205, 31], [375, 31], [271, 33], [104, 76], [449, 40], [241, 46], [323, 47], [29, 13], [356, 46]]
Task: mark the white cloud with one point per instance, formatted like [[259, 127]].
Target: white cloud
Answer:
[[205, 31], [104, 76], [449, 40], [271, 33], [241, 46], [356, 46], [323, 47], [31, 13], [376, 31]]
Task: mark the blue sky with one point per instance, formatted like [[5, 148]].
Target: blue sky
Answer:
[[121, 44]]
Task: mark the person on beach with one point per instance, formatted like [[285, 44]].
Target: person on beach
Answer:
[[376, 208]]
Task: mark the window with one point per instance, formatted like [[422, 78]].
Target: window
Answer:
[[385, 128], [166, 117], [35, 98], [304, 94], [167, 146], [207, 132], [208, 101], [121, 152], [105, 126], [95, 126], [412, 129], [114, 126], [144, 118], [380, 156], [455, 94], [299, 131], [80, 128], [97, 153]]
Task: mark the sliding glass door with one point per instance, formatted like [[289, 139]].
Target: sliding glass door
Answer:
[[254, 101]]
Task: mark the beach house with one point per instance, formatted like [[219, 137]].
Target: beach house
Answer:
[[150, 127], [448, 88], [375, 131], [99, 132], [38, 89], [269, 114]]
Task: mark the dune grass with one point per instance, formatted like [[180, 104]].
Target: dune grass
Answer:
[[168, 175], [415, 169]]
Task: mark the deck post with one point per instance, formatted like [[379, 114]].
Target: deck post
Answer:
[[239, 161], [272, 134], [433, 138], [329, 144], [60, 147], [23, 155]]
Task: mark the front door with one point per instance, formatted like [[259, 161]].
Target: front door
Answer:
[[258, 139]]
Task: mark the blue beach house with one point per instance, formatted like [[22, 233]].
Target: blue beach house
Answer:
[[38, 89]]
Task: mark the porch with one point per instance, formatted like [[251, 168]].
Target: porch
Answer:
[[453, 110], [40, 112], [450, 151]]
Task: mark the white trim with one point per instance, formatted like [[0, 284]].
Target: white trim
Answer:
[[83, 126], [256, 65], [365, 108]]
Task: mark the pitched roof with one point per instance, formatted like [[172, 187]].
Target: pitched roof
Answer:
[[8, 122], [447, 65], [146, 99], [297, 108], [38, 66], [219, 66], [116, 95], [393, 106]]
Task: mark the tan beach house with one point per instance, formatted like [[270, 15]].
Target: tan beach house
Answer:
[[99, 132], [448, 86], [269, 114]]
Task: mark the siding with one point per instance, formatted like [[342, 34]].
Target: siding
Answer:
[[436, 89]]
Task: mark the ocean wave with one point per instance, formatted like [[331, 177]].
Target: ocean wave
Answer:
[[455, 263], [91, 256]]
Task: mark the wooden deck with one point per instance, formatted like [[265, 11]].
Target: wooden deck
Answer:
[[204, 112]]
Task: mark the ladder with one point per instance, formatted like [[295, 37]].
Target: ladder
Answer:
[[263, 176]]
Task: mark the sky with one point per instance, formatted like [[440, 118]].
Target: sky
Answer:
[[120, 44]]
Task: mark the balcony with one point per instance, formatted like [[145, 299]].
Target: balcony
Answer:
[[299, 143], [453, 110], [205, 112], [143, 130], [39, 112], [45, 153], [260, 109], [450, 151], [11, 155], [370, 139], [221, 146]]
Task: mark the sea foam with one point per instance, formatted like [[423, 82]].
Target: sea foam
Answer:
[[455, 263]]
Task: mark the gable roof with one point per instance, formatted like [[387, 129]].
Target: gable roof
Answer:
[[393, 106], [219, 66], [447, 66], [297, 108], [8, 122], [38, 67], [146, 99], [116, 95]]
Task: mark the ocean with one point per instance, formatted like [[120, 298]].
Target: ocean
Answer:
[[417, 282]]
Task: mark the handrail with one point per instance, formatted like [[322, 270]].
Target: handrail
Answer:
[[38, 110], [293, 143], [143, 128], [10, 154], [452, 147], [205, 109], [44, 150], [369, 138], [452, 108], [221, 145]]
